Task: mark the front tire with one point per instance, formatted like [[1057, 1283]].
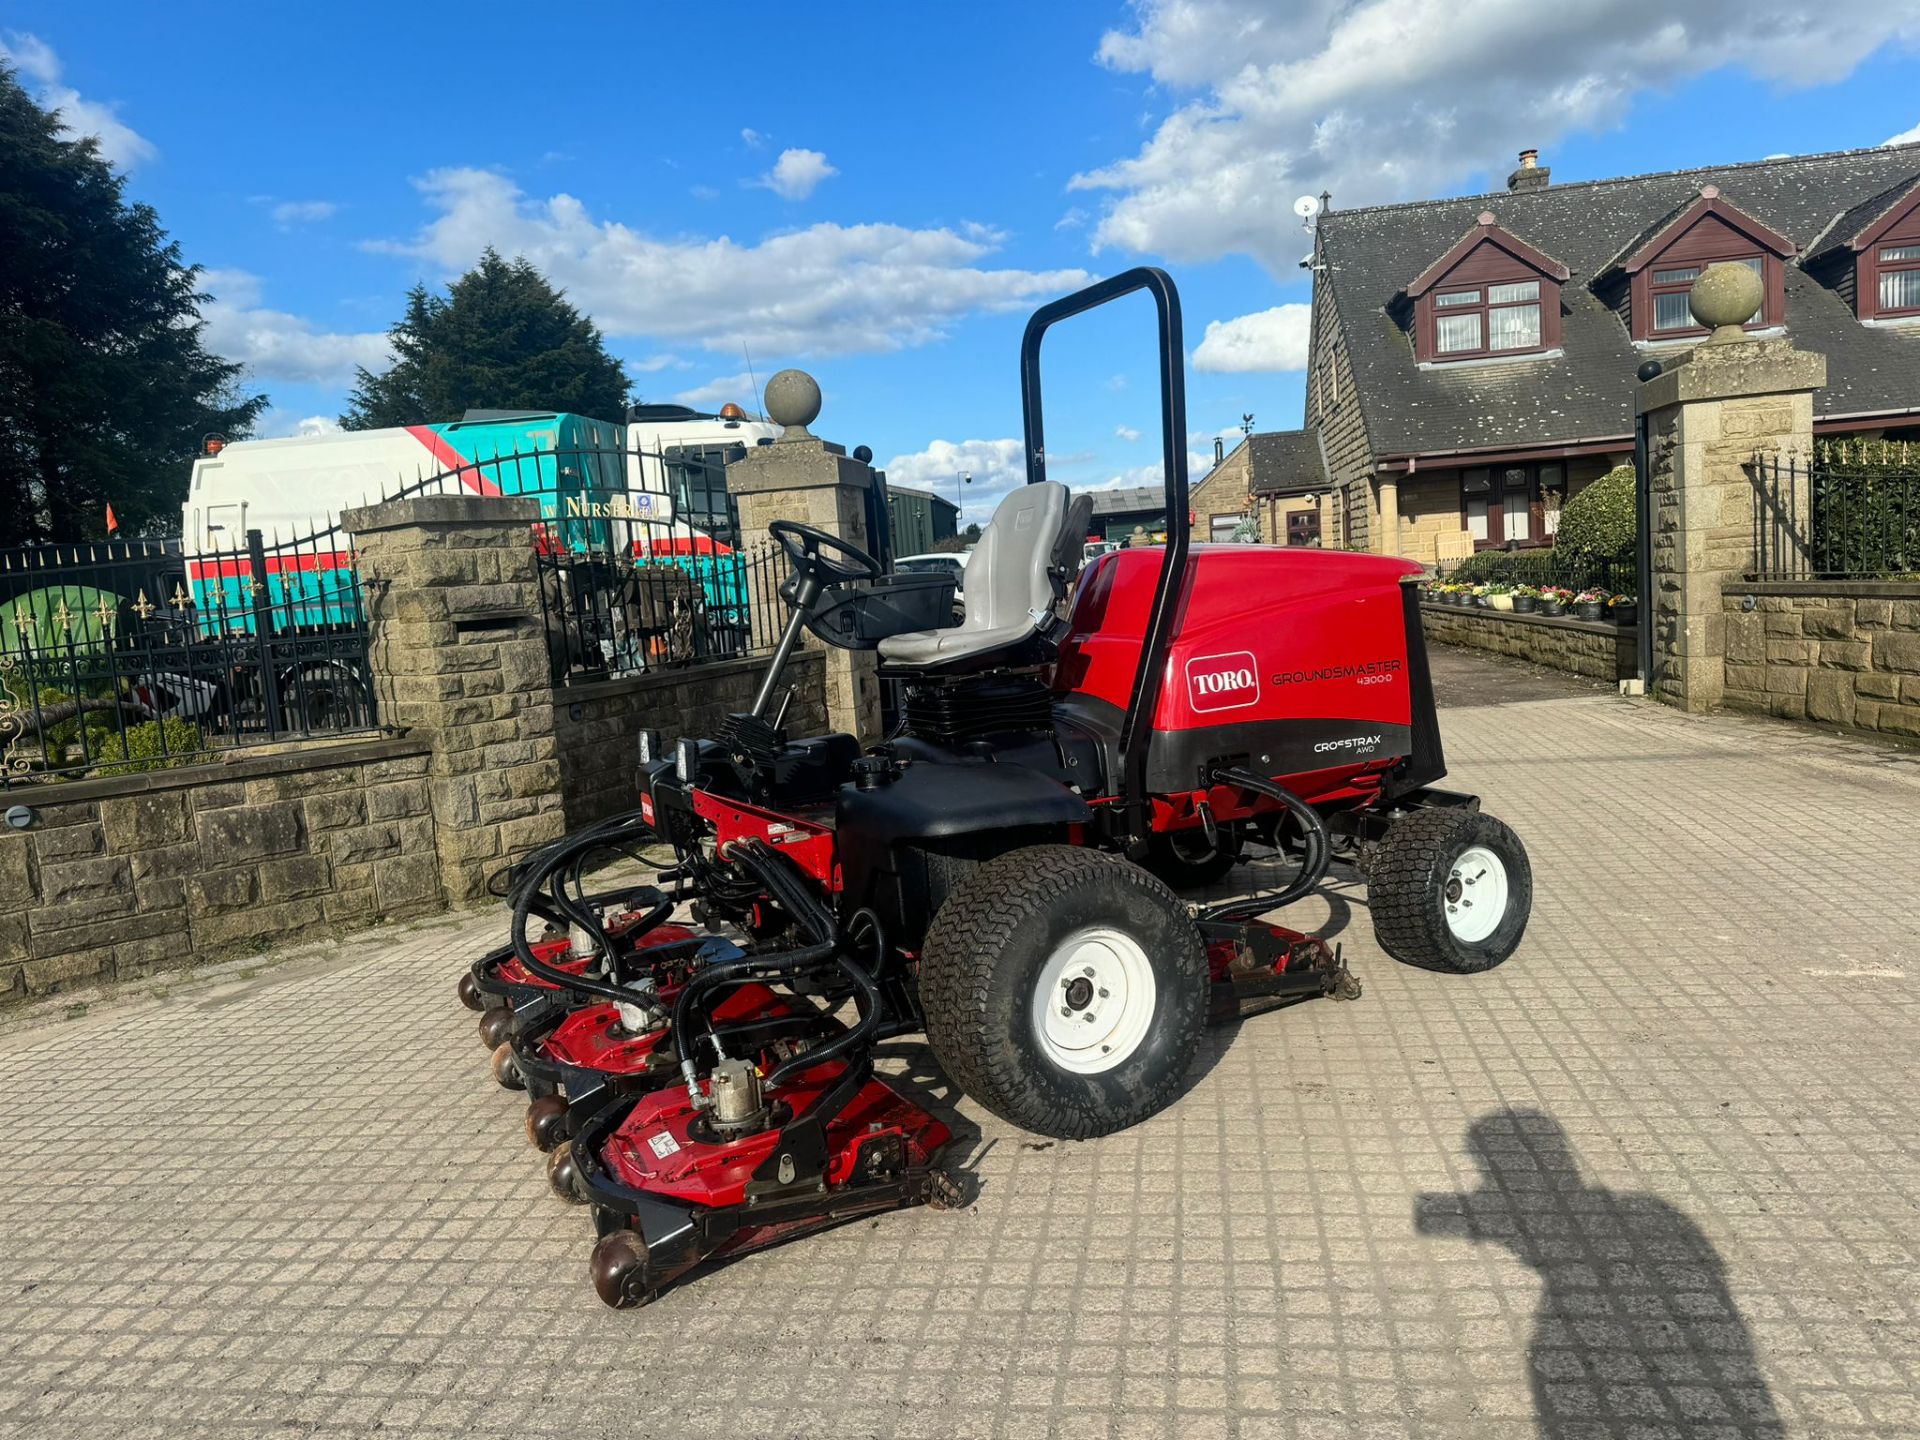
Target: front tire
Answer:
[[1450, 890], [1065, 990]]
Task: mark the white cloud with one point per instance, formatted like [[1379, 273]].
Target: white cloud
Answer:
[[274, 345], [997, 466], [797, 173], [1905, 137], [120, 144], [753, 139], [1126, 433], [289, 214], [715, 393], [279, 424], [657, 362], [1388, 99], [823, 290], [1273, 339]]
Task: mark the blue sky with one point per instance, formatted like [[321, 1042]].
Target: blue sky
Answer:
[[882, 194]]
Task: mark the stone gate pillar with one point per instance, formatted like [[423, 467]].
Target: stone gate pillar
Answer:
[[816, 483], [459, 657], [1708, 413]]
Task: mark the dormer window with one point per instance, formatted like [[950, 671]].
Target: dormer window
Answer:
[[1488, 319], [1870, 255], [1671, 287], [1492, 295], [1661, 265], [1899, 280]]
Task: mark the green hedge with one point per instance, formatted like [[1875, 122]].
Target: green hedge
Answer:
[[1599, 523], [144, 749]]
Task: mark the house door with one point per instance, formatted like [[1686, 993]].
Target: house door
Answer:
[[1512, 504]]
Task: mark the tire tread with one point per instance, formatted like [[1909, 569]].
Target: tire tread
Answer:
[[981, 916]]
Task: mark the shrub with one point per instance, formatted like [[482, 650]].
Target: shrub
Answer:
[[1598, 523], [145, 750]]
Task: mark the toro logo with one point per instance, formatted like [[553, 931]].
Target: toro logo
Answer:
[[1222, 682]]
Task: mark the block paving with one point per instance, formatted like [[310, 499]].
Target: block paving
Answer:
[[1657, 1176]]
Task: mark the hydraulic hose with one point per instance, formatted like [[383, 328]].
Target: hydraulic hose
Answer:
[[1317, 856], [861, 1032]]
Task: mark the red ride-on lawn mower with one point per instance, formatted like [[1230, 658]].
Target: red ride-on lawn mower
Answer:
[[996, 873]]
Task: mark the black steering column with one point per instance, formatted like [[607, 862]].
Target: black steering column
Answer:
[[813, 571]]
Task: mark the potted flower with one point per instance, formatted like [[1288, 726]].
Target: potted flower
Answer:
[[1552, 600], [1480, 597], [1500, 596], [1626, 609], [1526, 599], [1590, 604], [1462, 595]]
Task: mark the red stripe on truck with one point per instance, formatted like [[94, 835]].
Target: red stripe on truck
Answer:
[[242, 568], [451, 459]]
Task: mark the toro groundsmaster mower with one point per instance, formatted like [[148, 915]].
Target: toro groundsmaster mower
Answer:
[[996, 873]]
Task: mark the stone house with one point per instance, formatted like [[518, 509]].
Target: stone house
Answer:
[[1471, 360], [1277, 478]]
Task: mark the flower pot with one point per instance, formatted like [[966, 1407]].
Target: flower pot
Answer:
[[1549, 607], [1460, 598], [1500, 602], [1483, 602], [1525, 604], [1589, 610], [1626, 614]]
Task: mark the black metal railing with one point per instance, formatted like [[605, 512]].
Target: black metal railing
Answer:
[[1550, 566], [1850, 509], [639, 604], [641, 561], [127, 657]]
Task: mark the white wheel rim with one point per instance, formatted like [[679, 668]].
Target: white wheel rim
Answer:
[[1094, 1000], [1474, 894]]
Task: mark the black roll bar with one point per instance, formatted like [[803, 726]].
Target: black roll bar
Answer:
[[1136, 730]]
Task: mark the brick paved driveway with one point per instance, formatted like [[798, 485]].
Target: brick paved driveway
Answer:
[[250, 1209]]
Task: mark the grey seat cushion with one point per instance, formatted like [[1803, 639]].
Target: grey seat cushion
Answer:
[[1010, 582]]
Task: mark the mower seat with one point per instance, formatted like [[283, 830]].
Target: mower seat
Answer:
[[1014, 579]]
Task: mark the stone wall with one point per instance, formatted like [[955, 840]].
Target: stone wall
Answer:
[[115, 879], [1581, 647], [1222, 491], [1708, 413], [598, 725], [1843, 653], [460, 660]]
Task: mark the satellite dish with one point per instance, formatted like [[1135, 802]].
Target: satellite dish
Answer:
[[1306, 207]]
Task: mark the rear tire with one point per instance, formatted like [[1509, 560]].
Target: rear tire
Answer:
[[1065, 990], [1425, 879]]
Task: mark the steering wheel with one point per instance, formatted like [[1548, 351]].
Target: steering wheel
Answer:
[[803, 545]]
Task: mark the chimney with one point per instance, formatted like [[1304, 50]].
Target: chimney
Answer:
[[1531, 175]]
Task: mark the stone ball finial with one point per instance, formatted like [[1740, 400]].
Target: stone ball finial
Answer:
[[1725, 297], [793, 403]]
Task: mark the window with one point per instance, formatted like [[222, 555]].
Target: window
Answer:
[[1516, 511], [1671, 287], [1490, 320], [1223, 526], [1899, 279], [1475, 486], [1512, 504], [1553, 490]]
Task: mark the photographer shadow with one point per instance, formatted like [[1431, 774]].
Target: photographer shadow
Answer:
[[1635, 1329]]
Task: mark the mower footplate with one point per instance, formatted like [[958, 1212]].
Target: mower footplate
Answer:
[[668, 1192], [1256, 966]]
